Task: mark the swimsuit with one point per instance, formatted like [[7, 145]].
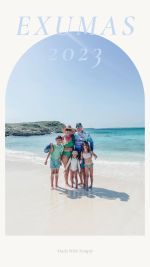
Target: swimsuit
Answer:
[[74, 164], [88, 165], [55, 156], [70, 145], [87, 156]]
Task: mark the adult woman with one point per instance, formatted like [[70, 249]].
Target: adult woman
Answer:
[[68, 142]]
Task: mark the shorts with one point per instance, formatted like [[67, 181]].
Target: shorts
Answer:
[[55, 163], [88, 165]]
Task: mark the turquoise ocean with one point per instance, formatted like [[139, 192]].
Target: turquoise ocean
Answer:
[[112, 145]]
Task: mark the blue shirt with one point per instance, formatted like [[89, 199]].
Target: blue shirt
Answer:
[[80, 137]]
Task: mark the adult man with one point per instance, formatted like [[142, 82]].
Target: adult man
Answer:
[[81, 136]]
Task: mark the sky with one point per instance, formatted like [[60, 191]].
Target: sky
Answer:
[[56, 79]]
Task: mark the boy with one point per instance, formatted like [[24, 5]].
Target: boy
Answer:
[[55, 160]]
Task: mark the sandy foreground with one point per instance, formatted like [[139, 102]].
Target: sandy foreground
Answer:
[[115, 205]]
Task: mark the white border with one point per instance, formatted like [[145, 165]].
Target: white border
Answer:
[[42, 251]]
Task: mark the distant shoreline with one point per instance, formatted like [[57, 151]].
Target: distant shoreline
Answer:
[[33, 128], [47, 127]]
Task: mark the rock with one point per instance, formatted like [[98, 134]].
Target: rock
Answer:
[[33, 128]]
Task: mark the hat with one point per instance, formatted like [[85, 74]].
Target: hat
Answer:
[[69, 128], [74, 152], [79, 125]]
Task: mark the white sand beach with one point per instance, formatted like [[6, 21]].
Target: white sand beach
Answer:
[[115, 205]]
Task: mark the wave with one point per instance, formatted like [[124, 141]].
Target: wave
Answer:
[[119, 162], [21, 155], [39, 158]]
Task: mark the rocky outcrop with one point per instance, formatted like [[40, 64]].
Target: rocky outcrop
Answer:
[[33, 128]]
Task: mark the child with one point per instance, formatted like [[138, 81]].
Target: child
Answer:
[[86, 155], [55, 152], [74, 167]]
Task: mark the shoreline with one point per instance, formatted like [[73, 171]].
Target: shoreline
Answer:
[[115, 205], [39, 157]]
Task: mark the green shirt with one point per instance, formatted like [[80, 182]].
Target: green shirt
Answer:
[[57, 152]]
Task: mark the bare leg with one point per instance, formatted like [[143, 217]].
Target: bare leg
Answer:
[[64, 161], [76, 178], [81, 176], [52, 178], [91, 176], [71, 178], [56, 177], [86, 177]]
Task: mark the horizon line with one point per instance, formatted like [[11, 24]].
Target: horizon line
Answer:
[[86, 127]]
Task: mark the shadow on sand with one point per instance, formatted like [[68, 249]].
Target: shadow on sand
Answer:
[[93, 193]]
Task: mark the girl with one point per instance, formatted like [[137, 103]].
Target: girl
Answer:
[[68, 142], [55, 153], [86, 155], [74, 166]]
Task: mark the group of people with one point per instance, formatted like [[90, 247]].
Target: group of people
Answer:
[[75, 151]]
